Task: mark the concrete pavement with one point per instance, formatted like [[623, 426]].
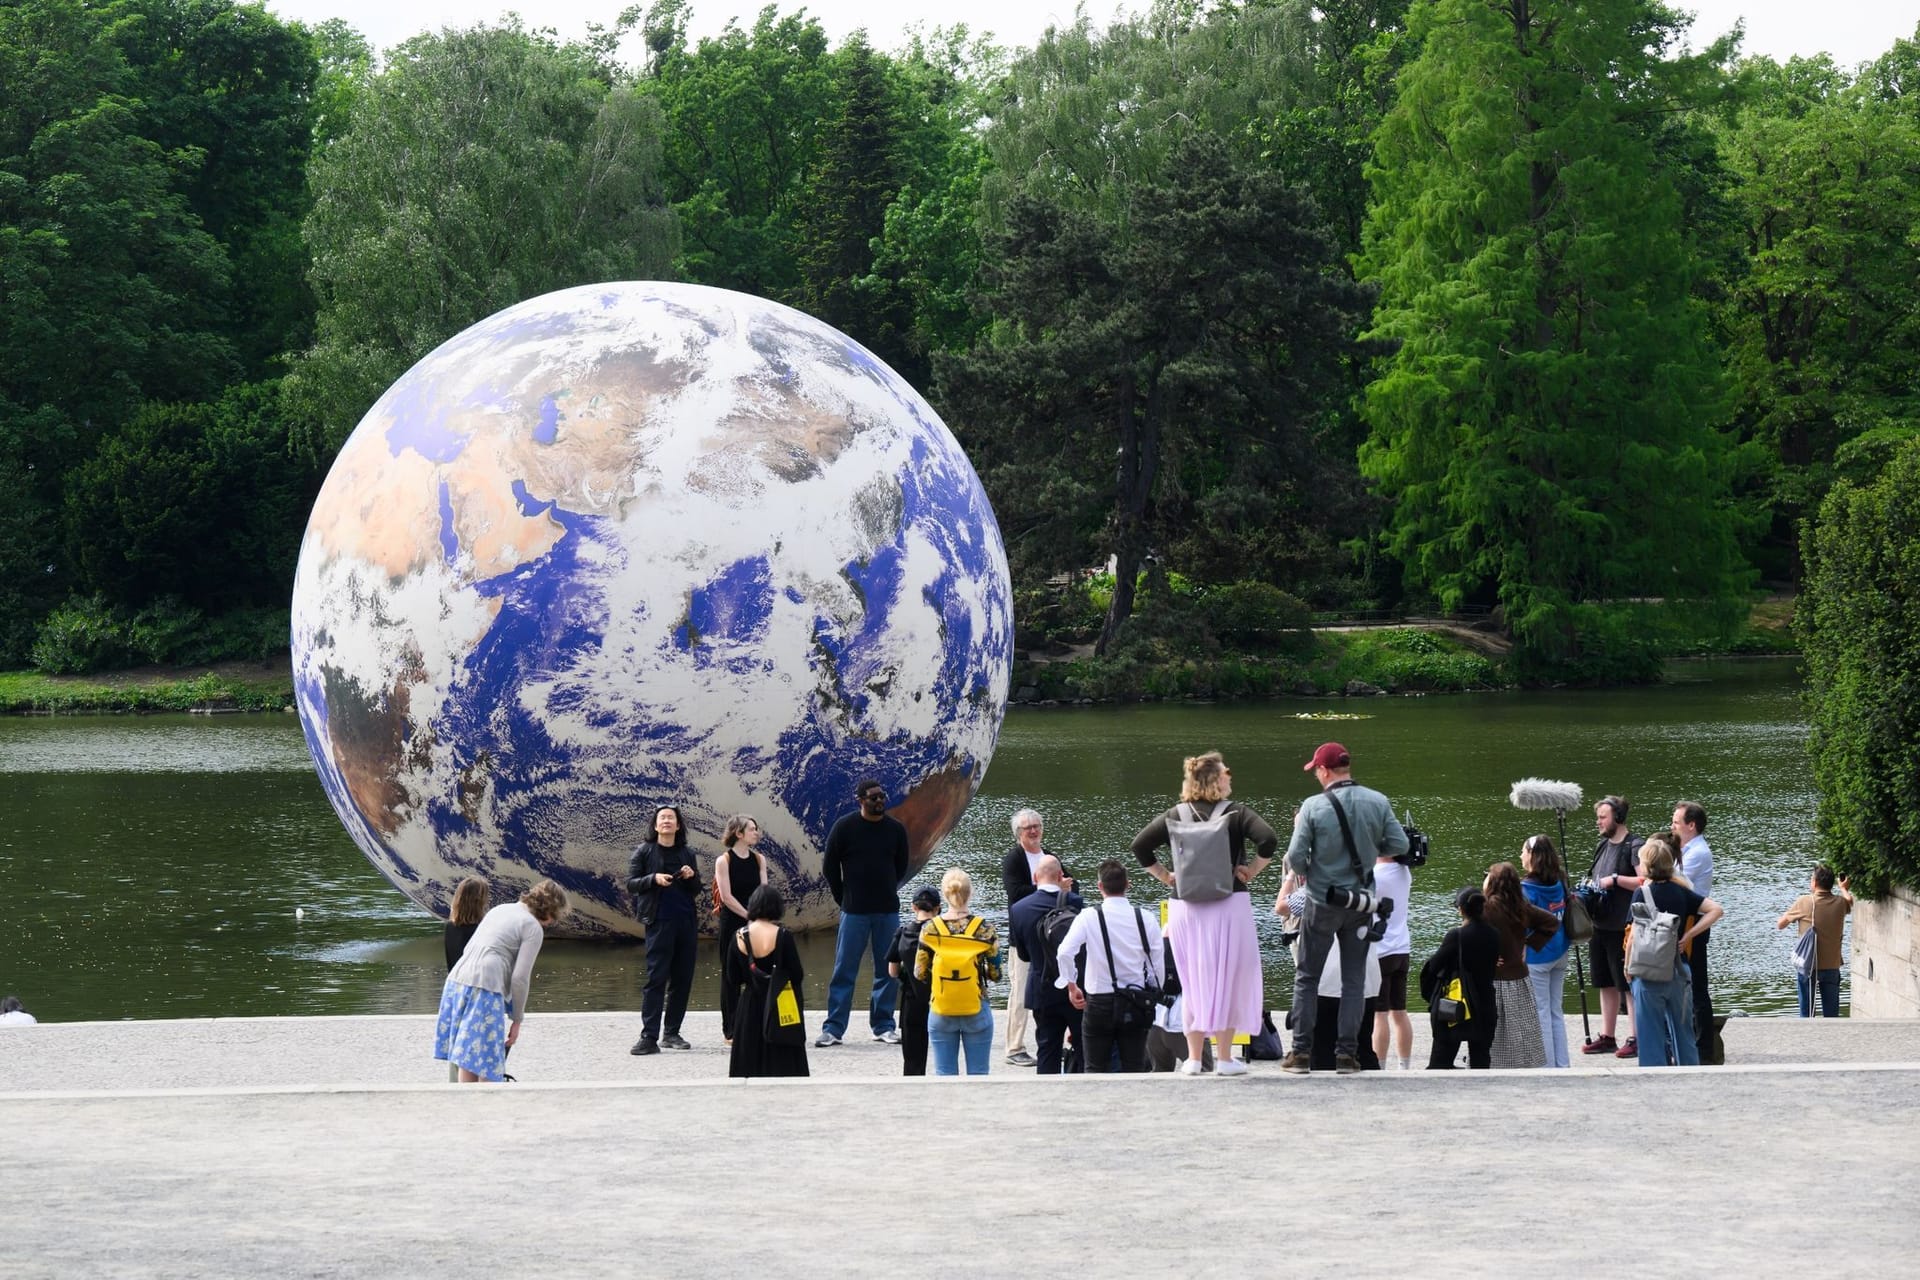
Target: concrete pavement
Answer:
[[333, 1147]]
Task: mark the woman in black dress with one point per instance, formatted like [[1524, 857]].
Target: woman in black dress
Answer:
[[763, 959], [740, 870]]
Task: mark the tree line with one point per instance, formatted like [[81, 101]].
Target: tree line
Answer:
[[1514, 306]]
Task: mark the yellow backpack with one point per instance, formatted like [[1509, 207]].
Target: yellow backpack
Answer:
[[955, 972]]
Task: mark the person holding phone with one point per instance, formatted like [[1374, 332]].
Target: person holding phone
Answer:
[[665, 886]]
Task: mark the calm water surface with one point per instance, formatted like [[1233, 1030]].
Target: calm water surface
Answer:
[[152, 867]]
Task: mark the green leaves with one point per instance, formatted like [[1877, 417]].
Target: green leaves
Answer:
[[1545, 433], [1859, 625]]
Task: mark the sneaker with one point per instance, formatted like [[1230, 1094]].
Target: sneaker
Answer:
[[826, 1041], [1190, 1067], [1021, 1059], [886, 1037], [1346, 1064], [1599, 1044], [1296, 1064], [1631, 1049], [673, 1040], [644, 1047], [1230, 1067]]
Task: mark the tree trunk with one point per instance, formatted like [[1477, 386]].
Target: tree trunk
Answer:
[[1133, 484]]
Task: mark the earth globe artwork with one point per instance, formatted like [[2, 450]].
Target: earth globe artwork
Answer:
[[637, 544]]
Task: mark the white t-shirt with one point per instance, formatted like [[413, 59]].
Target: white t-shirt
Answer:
[[1330, 972], [17, 1018], [1393, 880]]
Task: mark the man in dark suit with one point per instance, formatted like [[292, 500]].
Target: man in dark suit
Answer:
[[1052, 1010], [1016, 878]]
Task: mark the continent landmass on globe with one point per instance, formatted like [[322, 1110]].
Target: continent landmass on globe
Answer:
[[641, 544]]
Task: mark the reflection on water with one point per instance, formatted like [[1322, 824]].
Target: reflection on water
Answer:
[[153, 866]]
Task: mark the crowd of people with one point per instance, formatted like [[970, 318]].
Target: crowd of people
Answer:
[[1114, 986]]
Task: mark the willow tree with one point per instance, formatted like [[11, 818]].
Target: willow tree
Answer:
[[1547, 432]]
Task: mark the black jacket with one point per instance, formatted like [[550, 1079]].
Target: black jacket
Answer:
[[1015, 877], [650, 860], [1468, 952], [1023, 922]]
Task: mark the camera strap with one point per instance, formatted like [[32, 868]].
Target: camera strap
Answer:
[[1346, 833]]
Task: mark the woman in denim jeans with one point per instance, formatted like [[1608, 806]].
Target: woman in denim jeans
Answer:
[[948, 1035], [1545, 885], [1663, 1011]]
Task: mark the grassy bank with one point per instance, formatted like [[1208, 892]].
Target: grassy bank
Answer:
[[1391, 659], [230, 687]]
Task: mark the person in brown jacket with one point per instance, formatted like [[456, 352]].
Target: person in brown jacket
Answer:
[[1825, 912], [1520, 924]]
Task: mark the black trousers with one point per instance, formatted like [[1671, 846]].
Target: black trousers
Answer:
[[1702, 998], [1321, 1054], [913, 1027], [671, 940], [730, 924], [1446, 1047], [1102, 1039], [1050, 1027]]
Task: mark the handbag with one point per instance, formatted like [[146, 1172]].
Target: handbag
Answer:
[[1578, 921], [1132, 1006], [1806, 951], [784, 1024], [1451, 1007]]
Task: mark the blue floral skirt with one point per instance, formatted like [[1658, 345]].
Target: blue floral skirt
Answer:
[[472, 1032]]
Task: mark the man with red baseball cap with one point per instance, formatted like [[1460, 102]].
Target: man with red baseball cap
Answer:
[[1337, 837]]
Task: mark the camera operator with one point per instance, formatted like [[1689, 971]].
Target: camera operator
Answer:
[[1338, 835]]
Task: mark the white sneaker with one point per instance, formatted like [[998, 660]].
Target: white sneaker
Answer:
[[1230, 1067], [886, 1037], [1191, 1067]]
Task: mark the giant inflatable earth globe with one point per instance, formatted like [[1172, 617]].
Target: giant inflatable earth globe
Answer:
[[636, 544]]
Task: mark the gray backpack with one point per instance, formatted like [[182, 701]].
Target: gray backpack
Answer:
[[1202, 854], [1656, 940]]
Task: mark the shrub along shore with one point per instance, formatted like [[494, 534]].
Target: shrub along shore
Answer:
[[1363, 662]]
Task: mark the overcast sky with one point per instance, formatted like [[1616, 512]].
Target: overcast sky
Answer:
[[1851, 30]]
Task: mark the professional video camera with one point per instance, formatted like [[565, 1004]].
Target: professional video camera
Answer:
[[1418, 846]]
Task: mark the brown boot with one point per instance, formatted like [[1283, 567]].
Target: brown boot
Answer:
[[1297, 1064]]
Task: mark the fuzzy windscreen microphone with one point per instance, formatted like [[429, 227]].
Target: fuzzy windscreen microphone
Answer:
[[1540, 793]]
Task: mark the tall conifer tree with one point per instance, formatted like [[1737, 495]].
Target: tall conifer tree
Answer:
[[1547, 432]]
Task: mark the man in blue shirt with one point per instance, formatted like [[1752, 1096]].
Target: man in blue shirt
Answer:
[[1696, 864]]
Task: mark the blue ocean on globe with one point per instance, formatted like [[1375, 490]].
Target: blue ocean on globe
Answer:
[[637, 544]]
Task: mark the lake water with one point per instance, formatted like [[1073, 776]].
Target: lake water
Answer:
[[152, 866]]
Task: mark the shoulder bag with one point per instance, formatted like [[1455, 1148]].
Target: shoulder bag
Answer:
[[1806, 951], [1578, 922], [1132, 1006], [784, 1024]]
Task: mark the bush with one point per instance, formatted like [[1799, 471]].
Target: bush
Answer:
[[84, 634], [1258, 615], [1859, 624]]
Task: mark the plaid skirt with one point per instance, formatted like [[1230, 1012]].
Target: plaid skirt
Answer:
[[1516, 1036], [472, 1030]]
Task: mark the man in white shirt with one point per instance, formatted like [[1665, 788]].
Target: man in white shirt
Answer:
[[12, 1015], [1696, 864], [1132, 940]]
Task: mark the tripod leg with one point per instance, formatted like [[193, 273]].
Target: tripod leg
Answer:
[[1580, 975]]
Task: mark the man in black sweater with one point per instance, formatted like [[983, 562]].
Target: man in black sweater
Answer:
[[866, 859]]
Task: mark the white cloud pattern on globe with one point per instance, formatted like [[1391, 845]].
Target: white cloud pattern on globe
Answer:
[[636, 544]]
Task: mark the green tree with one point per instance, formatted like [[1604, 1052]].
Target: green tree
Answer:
[[233, 86], [111, 291], [203, 502], [1189, 362], [744, 111], [1823, 336], [1860, 631], [1546, 433], [854, 180], [480, 168]]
